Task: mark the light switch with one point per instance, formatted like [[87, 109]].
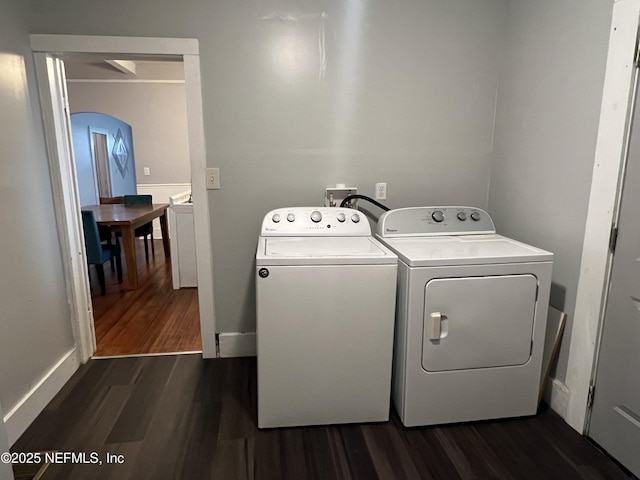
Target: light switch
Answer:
[[213, 178]]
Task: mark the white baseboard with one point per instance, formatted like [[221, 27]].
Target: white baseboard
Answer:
[[237, 344], [26, 410], [161, 193], [558, 397]]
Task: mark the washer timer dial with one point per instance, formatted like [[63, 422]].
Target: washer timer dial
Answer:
[[437, 216]]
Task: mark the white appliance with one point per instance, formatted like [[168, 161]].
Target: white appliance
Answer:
[[471, 316], [325, 305], [184, 272]]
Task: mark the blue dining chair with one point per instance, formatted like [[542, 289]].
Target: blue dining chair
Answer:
[[106, 235], [146, 229], [98, 252]]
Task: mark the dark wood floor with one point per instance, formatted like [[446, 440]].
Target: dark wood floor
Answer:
[[181, 417], [155, 318]]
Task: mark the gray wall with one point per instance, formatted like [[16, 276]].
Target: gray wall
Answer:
[[301, 96], [547, 119], [35, 331], [158, 116]]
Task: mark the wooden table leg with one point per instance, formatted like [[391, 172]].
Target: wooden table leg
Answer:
[[165, 234], [129, 245]]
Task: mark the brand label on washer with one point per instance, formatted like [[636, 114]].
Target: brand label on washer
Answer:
[[263, 273]]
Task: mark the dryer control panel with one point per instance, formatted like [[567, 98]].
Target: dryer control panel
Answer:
[[315, 222], [434, 221]]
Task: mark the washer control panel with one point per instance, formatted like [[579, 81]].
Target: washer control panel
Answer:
[[434, 221], [315, 222]]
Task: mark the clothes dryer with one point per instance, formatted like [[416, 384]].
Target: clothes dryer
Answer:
[[471, 316], [325, 317]]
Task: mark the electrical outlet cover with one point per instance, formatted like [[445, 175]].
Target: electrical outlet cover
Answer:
[[381, 191]]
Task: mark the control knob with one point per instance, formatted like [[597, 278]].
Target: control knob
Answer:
[[291, 217], [475, 216], [341, 217], [437, 216], [276, 218], [462, 216], [316, 216], [355, 218]]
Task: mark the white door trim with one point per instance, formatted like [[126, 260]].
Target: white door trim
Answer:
[[66, 194], [608, 165], [117, 45], [198, 155], [66, 203]]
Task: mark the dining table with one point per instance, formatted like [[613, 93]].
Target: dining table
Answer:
[[125, 219]]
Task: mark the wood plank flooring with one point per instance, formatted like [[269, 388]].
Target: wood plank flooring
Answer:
[[181, 417], [155, 318]]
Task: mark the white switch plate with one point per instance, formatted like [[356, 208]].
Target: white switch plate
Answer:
[[147, 171], [381, 191], [213, 178]]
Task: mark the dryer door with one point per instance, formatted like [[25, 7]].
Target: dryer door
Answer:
[[478, 322]]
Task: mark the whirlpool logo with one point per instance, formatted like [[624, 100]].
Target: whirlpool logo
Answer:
[[263, 273]]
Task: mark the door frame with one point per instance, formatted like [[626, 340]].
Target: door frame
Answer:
[[92, 148], [54, 103], [608, 170]]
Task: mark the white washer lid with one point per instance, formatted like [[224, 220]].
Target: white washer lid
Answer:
[[464, 250], [322, 250]]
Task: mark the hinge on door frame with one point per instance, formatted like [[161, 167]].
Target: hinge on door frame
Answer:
[[613, 238], [592, 389]]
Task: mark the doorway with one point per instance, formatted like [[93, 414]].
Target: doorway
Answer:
[[100, 157], [50, 51], [130, 137]]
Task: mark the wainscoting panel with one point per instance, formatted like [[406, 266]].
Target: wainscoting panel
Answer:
[[161, 193]]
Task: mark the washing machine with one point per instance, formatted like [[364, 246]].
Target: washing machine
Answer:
[[471, 316], [325, 306]]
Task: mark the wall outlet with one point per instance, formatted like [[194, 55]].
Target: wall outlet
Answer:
[[147, 171], [213, 178], [381, 191]]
